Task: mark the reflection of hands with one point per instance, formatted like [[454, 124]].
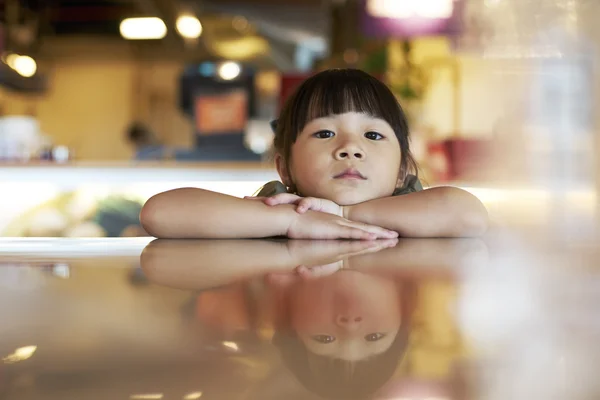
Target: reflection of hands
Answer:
[[198, 264], [303, 204], [320, 258], [318, 225]]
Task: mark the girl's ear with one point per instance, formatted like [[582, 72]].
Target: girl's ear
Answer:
[[282, 170]]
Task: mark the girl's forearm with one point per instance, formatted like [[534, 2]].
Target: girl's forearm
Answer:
[[198, 213], [437, 212]]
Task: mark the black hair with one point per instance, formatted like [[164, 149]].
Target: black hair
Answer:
[[333, 378]]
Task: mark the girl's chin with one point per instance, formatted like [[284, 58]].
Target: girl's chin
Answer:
[[350, 199]]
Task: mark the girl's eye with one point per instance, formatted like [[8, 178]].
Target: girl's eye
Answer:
[[373, 337], [324, 134], [373, 136], [324, 339]]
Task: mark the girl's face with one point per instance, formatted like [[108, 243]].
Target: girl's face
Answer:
[[348, 315], [347, 158]]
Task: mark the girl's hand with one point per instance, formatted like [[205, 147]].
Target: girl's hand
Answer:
[[320, 258], [303, 204], [319, 225]]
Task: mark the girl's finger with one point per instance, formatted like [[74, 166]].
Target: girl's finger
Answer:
[[348, 232], [282, 198], [306, 204], [381, 233], [254, 198]]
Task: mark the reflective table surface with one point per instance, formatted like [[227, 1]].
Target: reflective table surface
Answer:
[[414, 319]]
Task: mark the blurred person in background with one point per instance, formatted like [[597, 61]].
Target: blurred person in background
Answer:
[[146, 145]]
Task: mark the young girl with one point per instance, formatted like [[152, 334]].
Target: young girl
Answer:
[[342, 152]]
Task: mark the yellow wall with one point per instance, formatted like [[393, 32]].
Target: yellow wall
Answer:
[[88, 107], [92, 100]]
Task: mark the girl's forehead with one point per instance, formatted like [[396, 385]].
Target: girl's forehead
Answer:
[[347, 116]]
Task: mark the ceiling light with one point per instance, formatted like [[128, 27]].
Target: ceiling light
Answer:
[[24, 65], [20, 354], [189, 26], [147, 396], [192, 396], [433, 9], [231, 345], [143, 28], [229, 70], [10, 59]]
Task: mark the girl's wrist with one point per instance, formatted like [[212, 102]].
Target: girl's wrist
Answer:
[[284, 216]]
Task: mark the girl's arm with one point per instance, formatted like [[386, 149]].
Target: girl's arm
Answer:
[[436, 212], [197, 213]]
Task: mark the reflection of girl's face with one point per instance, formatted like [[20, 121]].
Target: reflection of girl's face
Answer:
[[348, 315]]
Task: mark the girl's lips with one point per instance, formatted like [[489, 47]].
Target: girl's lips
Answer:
[[350, 173]]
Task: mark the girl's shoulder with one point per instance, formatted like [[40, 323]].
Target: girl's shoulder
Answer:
[[271, 189], [411, 184]]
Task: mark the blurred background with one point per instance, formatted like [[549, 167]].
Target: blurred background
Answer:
[[104, 103]]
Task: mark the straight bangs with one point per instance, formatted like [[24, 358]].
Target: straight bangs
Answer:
[[343, 91]]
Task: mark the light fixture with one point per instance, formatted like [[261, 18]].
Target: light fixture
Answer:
[[147, 396], [20, 354], [189, 26], [24, 65], [231, 345], [10, 59], [192, 396], [143, 28], [430, 9], [229, 70]]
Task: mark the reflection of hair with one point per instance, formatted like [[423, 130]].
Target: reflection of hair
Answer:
[[339, 379], [337, 91]]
